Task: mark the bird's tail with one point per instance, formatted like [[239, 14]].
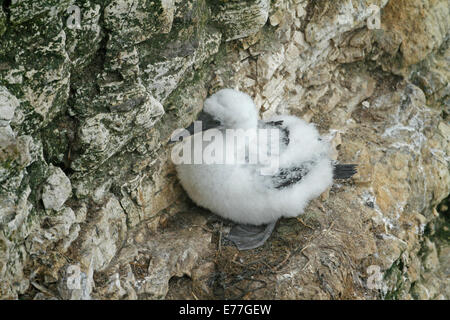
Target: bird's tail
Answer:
[[344, 171]]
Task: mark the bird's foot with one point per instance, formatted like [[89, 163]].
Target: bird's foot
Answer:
[[246, 236]]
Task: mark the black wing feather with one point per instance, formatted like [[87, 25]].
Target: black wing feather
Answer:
[[289, 176], [344, 171]]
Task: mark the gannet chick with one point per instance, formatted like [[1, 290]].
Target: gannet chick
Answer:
[[247, 192]]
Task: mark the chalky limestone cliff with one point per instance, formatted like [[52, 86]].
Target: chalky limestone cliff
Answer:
[[90, 91]]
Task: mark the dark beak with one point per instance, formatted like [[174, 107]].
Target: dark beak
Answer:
[[207, 122], [203, 122]]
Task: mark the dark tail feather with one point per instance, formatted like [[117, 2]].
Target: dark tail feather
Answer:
[[344, 171]]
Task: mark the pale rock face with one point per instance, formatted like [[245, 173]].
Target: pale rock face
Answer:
[[103, 236], [76, 284], [332, 19], [93, 108], [241, 19], [56, 190], [106, 133], [8, 104], [137, 20], [269, 63]]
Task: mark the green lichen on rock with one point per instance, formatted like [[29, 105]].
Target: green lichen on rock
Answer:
[[55, 139], [3, 22], [131, 22], [41, 83], [24, 10], [395, 278], [165, 58], [83, 40], [441, 231]]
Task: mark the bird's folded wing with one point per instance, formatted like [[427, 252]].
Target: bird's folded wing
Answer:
[[286, 177]]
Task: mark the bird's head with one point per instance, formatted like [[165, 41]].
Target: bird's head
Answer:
[[232, 108], [226, 109]]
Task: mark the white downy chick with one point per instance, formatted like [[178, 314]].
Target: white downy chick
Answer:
[[239, 191]]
